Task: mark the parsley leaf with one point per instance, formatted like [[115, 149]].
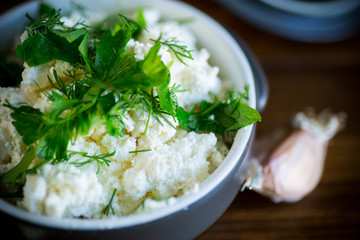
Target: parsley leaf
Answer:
[[36, 50], [219, 116], [154, 68], [140, 18], [127, 74], [159, 74], [109, 51], [71, 35], [83, 49], [46, 42], [28, 122]]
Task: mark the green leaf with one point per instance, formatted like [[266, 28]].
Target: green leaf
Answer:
[[70, 35], [168, 99], [55, 142], [115, 125], [154, 68], [96, 86], [99, 159], [188, 120], [59, 44], [83, 49], [61, 104], [36, 50], [140, 18], [159, 75], [113, 120], [127, 74], [130, 24], [20, 169], [67, 44], [108, 53], [28, 122], [218, 117], [236, 115], [45, 9]]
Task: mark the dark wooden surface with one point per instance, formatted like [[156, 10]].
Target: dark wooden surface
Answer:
[[300, 75]]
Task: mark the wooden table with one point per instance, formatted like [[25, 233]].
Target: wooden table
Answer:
[[300, 75]]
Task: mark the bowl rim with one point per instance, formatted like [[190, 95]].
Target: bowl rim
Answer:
[[182, 204]]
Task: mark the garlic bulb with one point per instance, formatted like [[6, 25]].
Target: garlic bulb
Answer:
[[295, 167]]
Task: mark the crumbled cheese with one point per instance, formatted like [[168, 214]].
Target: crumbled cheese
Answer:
[[175, 161], [177, 165], [62, 190], [152, 204], [12, 147]]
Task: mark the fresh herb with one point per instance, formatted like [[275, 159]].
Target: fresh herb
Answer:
[[83, 101], [17, 172], [218, 116], [180, 51], [49, 38], [99, 159], [134, 26], [140, 151], [75, 88], [109, 207], [48, 20], [106, 82], [152, 104], [57, 128], [140, 18], [45, 8]]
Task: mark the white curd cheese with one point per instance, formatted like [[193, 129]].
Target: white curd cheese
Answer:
[[174, 162], [12, 147], [62, 190]]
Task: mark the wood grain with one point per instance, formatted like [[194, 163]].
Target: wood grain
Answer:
[[301, 75]]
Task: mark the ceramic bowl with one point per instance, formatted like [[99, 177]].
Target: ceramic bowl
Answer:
[[193, 213]]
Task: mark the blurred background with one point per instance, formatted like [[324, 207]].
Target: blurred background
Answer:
[[309, 52]]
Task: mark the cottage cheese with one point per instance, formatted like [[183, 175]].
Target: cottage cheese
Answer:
[[177, 163]]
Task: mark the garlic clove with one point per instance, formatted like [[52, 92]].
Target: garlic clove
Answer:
[[295, 167]]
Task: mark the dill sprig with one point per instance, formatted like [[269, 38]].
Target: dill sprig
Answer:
[[152, 103], [75, 88], [179, 50], [46, 21], [109, 207], [99, 159], [130, 23], [140, 151]]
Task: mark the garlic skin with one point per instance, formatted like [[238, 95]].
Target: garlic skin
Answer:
[[295, 166]]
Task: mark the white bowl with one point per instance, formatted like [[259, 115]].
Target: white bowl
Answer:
[[192, 213]]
